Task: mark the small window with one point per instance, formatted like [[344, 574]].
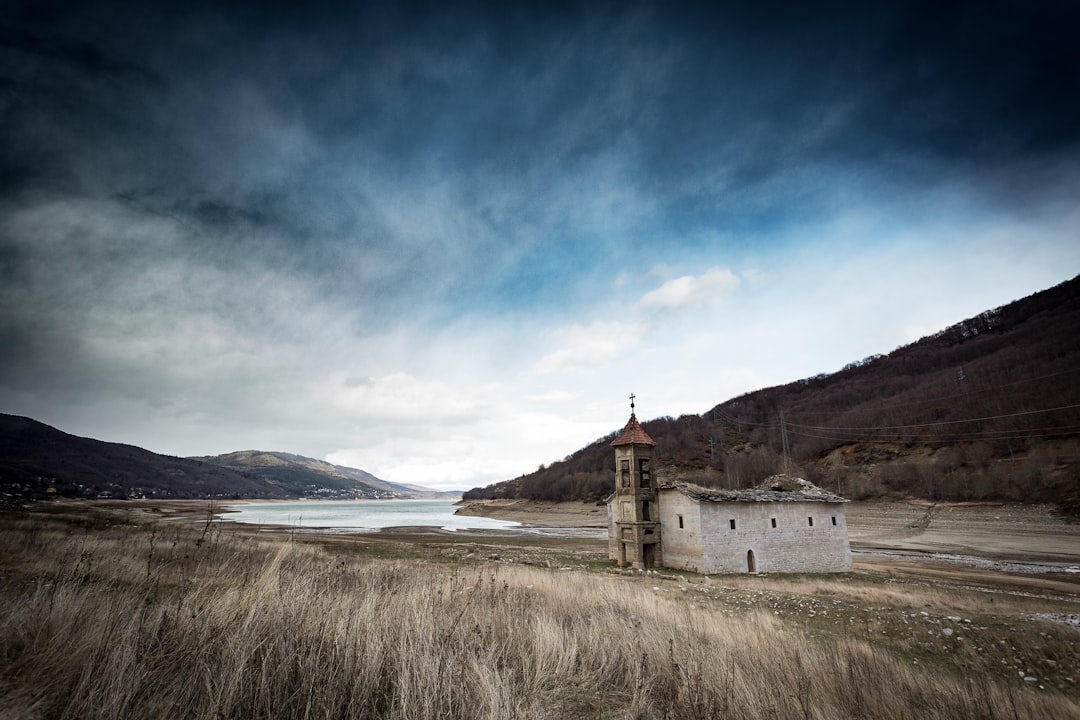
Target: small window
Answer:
[[811, 521], [732, 521], [645, 511], [643, 469], [680, 522], [625, 468], [833, 519], [774, 522]]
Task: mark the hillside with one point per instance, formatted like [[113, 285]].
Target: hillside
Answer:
[[987, 409], [308, 477], [38, 461]]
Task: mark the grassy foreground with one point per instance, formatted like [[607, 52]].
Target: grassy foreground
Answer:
[[100, 619]]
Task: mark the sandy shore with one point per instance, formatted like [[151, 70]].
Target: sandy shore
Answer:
[[539, 514]]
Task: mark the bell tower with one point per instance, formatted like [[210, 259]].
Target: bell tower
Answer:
[[634, 530]]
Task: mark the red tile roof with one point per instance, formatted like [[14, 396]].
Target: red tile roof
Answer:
[[633, 434]]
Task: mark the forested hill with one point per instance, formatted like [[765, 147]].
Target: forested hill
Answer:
[[987, 409]]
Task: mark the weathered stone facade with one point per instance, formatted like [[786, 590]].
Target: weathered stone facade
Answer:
[[746, 535], [786, 525]]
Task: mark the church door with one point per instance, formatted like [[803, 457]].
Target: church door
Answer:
[[751, 566]]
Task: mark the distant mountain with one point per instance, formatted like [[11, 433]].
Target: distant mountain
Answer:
[[986, 409], [37, 460], [308, 477]]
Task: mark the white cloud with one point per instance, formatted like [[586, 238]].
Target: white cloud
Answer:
[[586, 346], [551, 396], [690, 290], [662, 271], [400, 397], [497, 447]]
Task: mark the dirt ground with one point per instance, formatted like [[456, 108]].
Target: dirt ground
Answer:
[[1008, 532]]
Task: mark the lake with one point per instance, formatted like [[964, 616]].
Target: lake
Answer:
[[360, 515]]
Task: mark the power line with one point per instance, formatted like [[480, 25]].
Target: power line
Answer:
[[927, 437], [936, 424], [866, 433], [986, 387]]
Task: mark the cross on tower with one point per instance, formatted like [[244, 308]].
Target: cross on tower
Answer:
[[632, 396]]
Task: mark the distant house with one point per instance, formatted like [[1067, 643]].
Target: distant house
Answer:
[[785, 525]]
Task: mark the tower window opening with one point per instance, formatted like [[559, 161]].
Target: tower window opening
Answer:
[[833, 519], [625, 469], [732, 523], [811, 521], [680, 522], [774, 522], [643, 469]]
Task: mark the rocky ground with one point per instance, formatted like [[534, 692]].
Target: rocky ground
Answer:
[[997, 531]]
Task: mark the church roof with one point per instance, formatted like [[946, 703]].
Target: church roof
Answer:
[[778, 488], [633, 434]]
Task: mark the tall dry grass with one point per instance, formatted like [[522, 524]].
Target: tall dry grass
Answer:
[[155, 622]]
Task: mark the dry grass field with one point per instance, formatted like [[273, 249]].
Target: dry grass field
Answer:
[[108, 613]]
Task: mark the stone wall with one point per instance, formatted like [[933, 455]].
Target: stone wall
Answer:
[[682, 546], [794, 545], [612, 532], [779, 535]]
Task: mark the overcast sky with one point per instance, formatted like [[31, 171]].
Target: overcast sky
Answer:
[[444, 244]]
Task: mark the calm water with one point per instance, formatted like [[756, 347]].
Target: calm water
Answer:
[[360, 515]]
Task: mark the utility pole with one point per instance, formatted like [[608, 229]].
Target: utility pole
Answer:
[[783, 439]]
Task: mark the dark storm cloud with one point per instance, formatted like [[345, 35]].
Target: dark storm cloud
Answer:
[[917, 92], [266, 105]]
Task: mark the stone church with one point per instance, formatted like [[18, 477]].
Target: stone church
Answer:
[[785, 525]]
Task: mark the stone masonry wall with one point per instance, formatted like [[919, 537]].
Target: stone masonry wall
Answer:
[[794, 545], [612, 533], [681, 546], [706, 542]]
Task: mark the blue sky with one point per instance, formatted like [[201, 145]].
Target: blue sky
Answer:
[[444, 243]]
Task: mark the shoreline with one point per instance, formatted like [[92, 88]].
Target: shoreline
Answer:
[[538, 513]]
